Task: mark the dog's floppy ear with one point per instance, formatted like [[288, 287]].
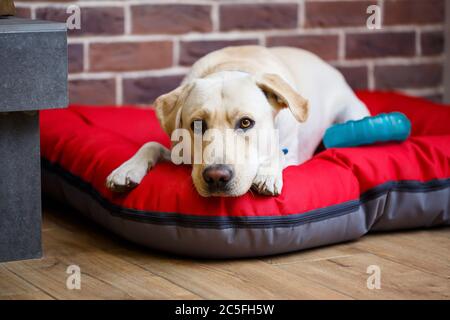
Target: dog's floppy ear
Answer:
[[281, 95], [168, 108]]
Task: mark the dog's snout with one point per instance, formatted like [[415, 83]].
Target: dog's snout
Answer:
[[217, 176]]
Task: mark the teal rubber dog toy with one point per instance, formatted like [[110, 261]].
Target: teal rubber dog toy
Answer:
[[384, 127]]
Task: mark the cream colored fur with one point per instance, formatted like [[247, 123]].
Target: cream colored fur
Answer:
[[282, 88]]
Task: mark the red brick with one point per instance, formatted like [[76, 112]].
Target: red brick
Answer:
[[413, 12], [432, 42], [408, 76], [146, 90], [356, 77], [336, 13], [126, 56], [75, 57], [191, 51], [94, 20], [326, 46], [171, 19], [52, 14], [258, 16], [95, 92], [380, 44], [23, 12]]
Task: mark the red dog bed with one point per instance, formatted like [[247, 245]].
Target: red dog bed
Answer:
[[337, 196]]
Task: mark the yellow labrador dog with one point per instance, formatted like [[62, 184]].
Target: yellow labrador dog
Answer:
[[283, 94]]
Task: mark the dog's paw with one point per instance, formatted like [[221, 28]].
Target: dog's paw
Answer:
[[127, 176], [269, 185]]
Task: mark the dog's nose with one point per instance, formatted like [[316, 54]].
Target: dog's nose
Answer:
[[218, 175]]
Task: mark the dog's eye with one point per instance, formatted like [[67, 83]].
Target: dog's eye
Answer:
[[198, 124], [245, 123]]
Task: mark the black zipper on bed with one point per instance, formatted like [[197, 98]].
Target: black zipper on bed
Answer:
[[224, 222]]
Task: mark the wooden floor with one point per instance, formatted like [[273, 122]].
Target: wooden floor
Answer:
[[414, 265]]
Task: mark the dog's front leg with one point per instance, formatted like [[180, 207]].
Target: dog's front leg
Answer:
[[131, 172], [269, 178]]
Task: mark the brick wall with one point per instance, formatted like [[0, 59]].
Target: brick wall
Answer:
[[131, 51]]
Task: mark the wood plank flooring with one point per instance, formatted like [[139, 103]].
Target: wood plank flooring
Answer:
[[413, 264]]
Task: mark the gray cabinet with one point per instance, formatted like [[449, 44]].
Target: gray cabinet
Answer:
[[33, 76]]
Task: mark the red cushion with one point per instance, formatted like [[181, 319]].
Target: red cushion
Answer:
[[91, 142], [338, 195]]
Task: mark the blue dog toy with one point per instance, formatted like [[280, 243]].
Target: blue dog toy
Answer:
[[393, 126]]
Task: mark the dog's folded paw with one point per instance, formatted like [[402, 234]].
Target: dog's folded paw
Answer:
[[126, 177], [270, 185]]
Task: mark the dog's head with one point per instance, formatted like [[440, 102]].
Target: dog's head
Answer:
[[222, 125]]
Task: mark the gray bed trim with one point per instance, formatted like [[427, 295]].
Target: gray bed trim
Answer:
[[388, 211], [270, 220]]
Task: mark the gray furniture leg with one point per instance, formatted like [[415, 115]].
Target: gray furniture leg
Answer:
[[20, 186]]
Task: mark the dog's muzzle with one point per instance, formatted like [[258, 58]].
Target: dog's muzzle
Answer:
[[217, 177]]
